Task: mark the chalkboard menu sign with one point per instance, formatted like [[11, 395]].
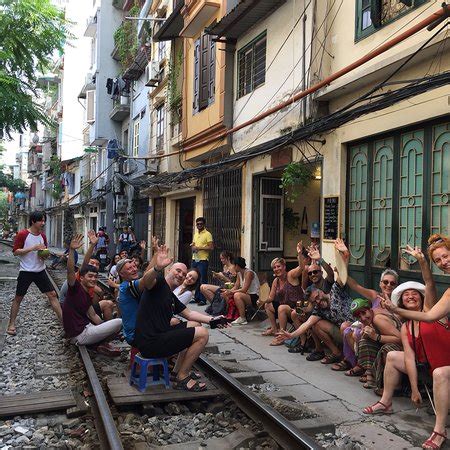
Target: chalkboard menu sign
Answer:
[[330, 218]]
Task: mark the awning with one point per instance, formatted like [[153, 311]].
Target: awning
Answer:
[[242, 17], [172, 26]]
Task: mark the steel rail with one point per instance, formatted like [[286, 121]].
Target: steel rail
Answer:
[[281, 429], [106, 426]]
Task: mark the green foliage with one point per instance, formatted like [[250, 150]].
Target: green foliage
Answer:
[[126, 40], [12, 184], [31, 31], [55, 169], [291, 219], [174, 94], [295, 179]]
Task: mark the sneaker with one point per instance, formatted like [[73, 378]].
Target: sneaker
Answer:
[[239, 321], [315, 356]]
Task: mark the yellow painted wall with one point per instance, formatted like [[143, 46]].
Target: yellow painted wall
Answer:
[[213, 114]]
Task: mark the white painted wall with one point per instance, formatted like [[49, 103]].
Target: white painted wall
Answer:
[[279, 83], [76, 65]]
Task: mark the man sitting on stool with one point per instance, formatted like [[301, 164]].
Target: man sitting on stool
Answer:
[[155, 337]]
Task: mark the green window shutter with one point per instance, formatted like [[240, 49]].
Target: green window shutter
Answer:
[[357, 204], [411, 190], [382, 186], [440, 182]]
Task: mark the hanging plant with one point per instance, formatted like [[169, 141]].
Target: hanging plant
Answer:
[[291, 219], [126, 40], [56, 170], [295, 179], [174, 91]]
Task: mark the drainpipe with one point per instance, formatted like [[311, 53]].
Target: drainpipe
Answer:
[[438, 16]]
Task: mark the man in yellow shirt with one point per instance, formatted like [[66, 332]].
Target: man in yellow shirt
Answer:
[[201, 246]]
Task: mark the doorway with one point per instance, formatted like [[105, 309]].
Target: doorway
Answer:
[[185, 216]]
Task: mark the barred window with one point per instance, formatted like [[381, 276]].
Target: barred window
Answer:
[[252, 65]]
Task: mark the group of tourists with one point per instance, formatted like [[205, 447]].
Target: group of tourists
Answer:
[[377, 337]]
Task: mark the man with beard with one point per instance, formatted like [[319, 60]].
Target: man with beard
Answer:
[[329, 313], [155, 337]]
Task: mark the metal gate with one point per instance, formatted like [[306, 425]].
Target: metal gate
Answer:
[[140, 218], [222, 203], [159, 219]]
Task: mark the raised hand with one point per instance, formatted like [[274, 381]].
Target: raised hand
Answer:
[[162, 257], [142, 244], [155, 243], [313, 252], [339, 245], [415, 252], [92, 236], [76, 242], [300, 247], [387, 304]]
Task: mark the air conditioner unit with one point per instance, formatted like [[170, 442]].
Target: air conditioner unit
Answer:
[[152, 74]]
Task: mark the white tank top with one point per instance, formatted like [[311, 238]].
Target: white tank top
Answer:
[[254, 285]]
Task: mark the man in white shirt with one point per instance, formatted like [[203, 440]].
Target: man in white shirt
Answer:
[[27, 245]]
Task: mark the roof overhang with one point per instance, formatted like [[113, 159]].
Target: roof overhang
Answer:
[[242, 17], [199, 17], [171, 28]]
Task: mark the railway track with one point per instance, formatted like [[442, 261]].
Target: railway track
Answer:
[[281, 430]]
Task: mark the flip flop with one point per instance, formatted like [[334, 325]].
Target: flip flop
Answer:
[[11, 331], [275, 343]]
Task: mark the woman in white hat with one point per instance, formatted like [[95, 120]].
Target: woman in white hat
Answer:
[[425, 344]]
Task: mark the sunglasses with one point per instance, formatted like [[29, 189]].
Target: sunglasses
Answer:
[[314, 272], [390, 283]]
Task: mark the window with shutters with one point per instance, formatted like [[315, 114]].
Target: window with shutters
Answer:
[[374, 14], [90, 107], [160, 127], [204, 72], [251, 62], [136, 137]]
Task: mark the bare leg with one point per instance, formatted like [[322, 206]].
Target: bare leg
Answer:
[[54, 303], [15, 306], [323, 331], [284, 312], [241, 300], [192, 353], [182, 355], [107, 307], [271, 315], [393, 370], [297, 322], [441, 385], [208, 291]]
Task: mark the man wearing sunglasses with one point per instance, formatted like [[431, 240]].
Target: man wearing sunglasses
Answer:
[[315, 277]]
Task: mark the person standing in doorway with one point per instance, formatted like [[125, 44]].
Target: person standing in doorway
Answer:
[[30, 245], [202, 245]]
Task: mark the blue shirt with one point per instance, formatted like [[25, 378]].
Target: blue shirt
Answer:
[[129, 296]]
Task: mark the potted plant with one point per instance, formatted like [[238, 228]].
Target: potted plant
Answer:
[[295, 179]]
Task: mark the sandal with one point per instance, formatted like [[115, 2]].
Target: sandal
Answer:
[[363, 378], [182, 385], [268, 332], [11, 331], [330, 359], [297, 349], [354, 372], [429, 443], [193, 375], [276, 342], [387, 409], [341, 366]]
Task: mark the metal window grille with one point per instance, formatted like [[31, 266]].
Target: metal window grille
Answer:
[[271, 213]]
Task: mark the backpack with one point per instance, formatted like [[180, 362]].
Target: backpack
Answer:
[[218, 305]]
